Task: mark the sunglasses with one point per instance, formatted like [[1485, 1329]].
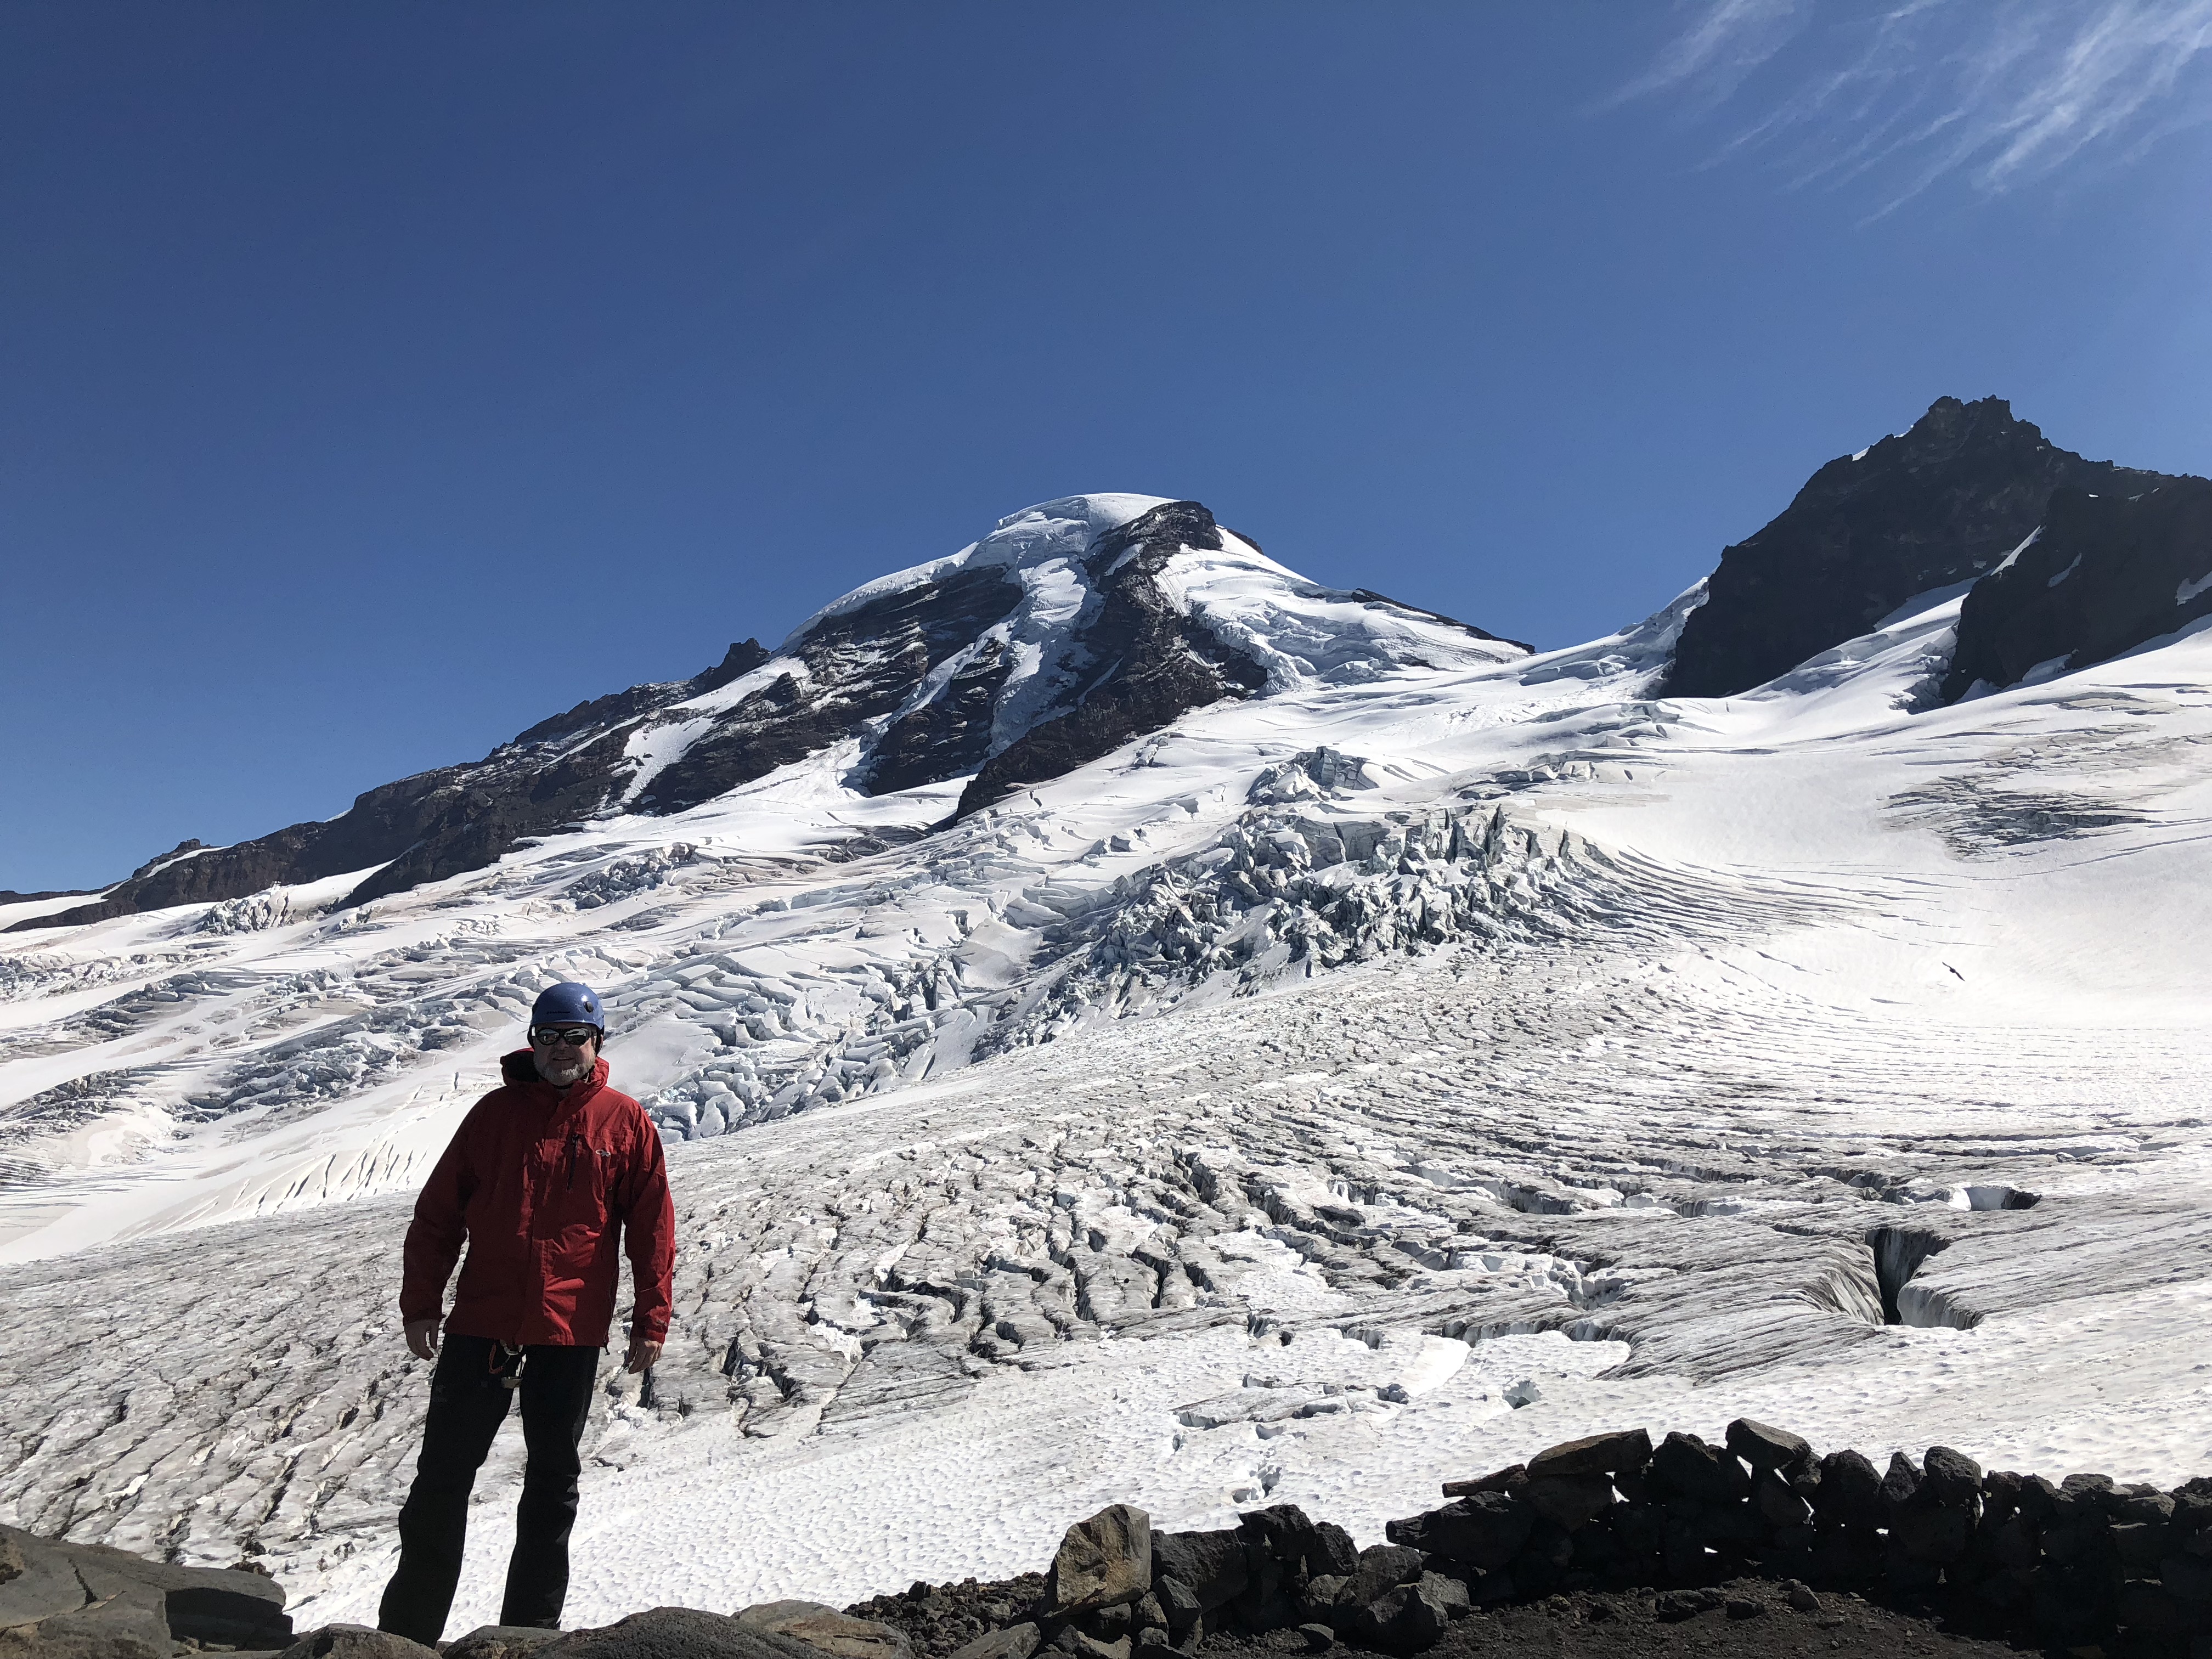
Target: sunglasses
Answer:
[[545, 1036]]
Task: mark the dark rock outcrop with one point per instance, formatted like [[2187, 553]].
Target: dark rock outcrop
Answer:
[[821, 1628], [1686, 1529], [434, 824], [1940, 504], [62, 1597], [676, 1633], [1149, 662], [499, 1641], [2105, 573], [355, 1642]]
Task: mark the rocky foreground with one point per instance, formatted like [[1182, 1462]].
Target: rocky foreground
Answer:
[[1605, 1544]]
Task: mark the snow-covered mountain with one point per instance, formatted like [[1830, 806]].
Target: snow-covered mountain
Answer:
[[1072, 627], [1143, 1026]]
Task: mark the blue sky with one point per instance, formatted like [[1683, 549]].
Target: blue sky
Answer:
[[377, 379]]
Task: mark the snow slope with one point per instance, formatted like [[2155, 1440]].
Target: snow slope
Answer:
[[1442, 1054]]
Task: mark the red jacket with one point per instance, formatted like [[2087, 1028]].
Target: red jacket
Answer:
[[541, 1184]]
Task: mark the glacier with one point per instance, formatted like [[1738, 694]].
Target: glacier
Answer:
[[1442, 1051]]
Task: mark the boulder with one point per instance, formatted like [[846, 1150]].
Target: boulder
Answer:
[[2084, 1540], [1596, 1454], [1677, 1605], [2189, 1576], [355, 1642], [1486, 1531], [1904, 1574], [1209, 1564], [1846, 1555], [1451, 1593], [2078, 1493], [1512, 1478], [1999, 1497], [1319, 1595], [41, 1584], [1776, 1503], [1270, 1599], [666, 1633], [1931, 1534], [1951, 1477], [1900, 1484], [1381, 1567], [2071, 1606], [2140, 1547], [1103, 1561], [1282, 1530], [828, 1631], [2146, 1504], [1331, 1551], [237, 1609], [1804, 1479], [1570, 1501], [1549, 1551], [1409, 1618], [2153, 1617], [1107, 1623], [1598, 1552], [1767, 1449], [2012, 1546], [2037, 1499], [2193, 1506], [126, 1624], [1684, 1466], [499, 1642], [1177, 1604], [1148, 1612], [1851, 1491]]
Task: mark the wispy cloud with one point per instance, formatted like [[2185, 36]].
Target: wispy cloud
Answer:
[[1724, 43], [1997, 93]]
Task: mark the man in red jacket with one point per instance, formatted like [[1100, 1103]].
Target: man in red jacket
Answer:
[[547, 1178]]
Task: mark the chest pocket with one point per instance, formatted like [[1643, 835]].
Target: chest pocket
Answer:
[[572, 1178]]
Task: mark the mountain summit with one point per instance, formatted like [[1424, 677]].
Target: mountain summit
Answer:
[[1939, 504], [1072, 627]]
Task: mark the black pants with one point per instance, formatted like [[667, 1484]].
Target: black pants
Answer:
[[468, 1400]]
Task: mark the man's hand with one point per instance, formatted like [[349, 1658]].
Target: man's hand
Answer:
[[643, 1356], [423, 1338]]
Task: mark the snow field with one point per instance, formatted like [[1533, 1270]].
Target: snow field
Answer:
[[1201, 1129]]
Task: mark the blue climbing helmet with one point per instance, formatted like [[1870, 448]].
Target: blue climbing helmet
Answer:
[[569, 1004]]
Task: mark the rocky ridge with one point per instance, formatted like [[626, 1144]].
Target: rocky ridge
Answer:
[[1756, 1526], [2100, 575], [1072, 629], [1942, 503]]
